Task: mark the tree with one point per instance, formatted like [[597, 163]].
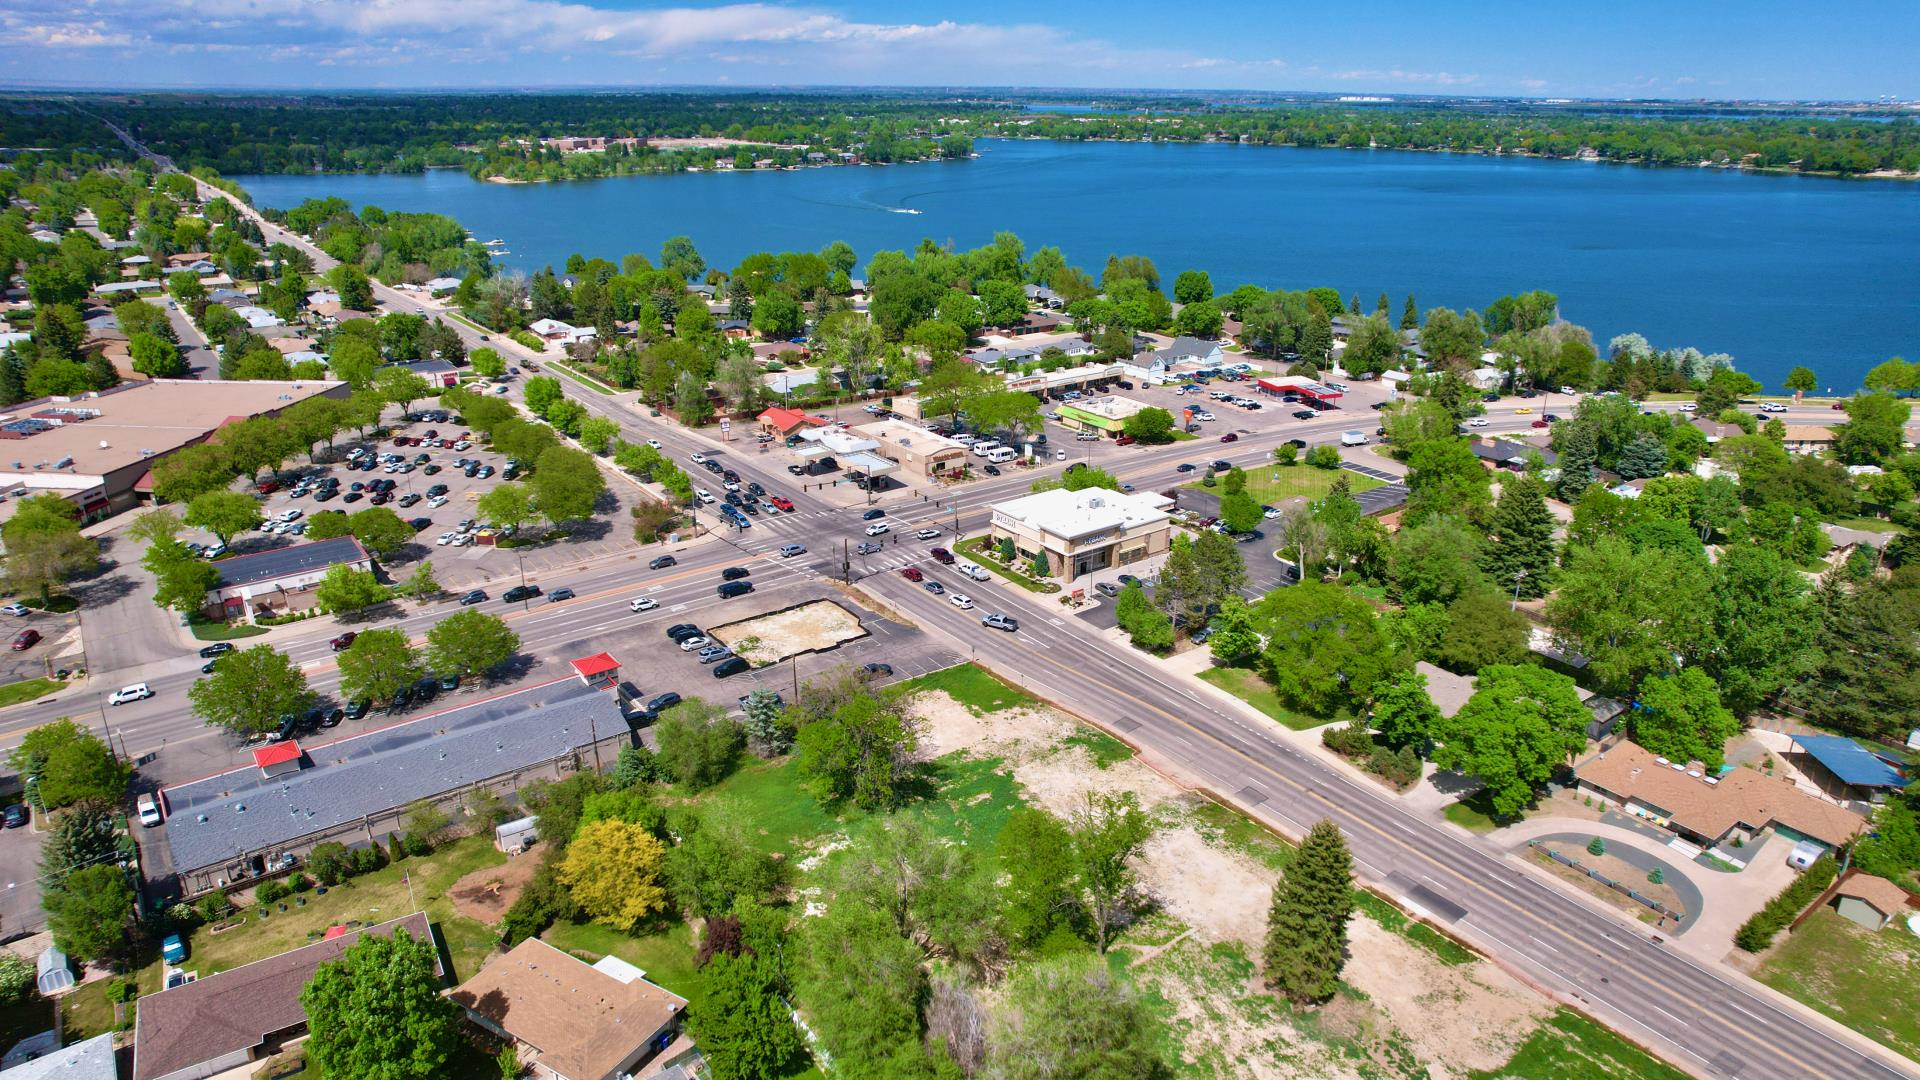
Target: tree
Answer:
[[353, 360], [1324, 650], [1241, 512], [1864, 672], [765, 723], [1146, 626], [377, 1011], [1403, 713], [1760, 613], [863, 985], [88, 913], [401, 387], [380, 530], [699, 744], [1802, 379], [1036, 856], [421, 585], [1521, 724], [743, 1026], [1372, 348], [1150, 426], [1443, 477], [250, 690], [566, 483], [40, 562], [1579, 455], [1071, 1018], [1680, 717], [1453, 340], [859, 752], [1631, 613], [1435, 562], [72, 763], [597, 434], [346, 589], [182, 579], [470, 643], [613, 868], [156, 357], [508, 505], [225, 514], [487, 363], [353, 286], [715, 865], [1645, 456], [378, 663], [1107, 832], [1307, 920], [1234, 638], [1192, 286], [1874, 429], [1520, 550], [1482, 630]]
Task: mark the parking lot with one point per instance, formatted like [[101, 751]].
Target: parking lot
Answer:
[[20, 882]]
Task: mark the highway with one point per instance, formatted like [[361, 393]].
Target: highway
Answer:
[[1710, 1021]]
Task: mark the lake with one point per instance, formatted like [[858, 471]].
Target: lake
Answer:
[[1775, 270]]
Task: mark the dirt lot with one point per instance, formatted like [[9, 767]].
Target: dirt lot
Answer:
[[771, 638], [1198, 952], [486, 894]]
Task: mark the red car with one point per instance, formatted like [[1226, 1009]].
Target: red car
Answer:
[[267, 487], [784, 503], [1229, 437], [399, 440], [1124, 440], [25, 639], [1541, 423], [911, 573], [942, 555], [343, 640], [1839, 406]]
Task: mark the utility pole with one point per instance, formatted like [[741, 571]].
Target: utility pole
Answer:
[[846, 562]]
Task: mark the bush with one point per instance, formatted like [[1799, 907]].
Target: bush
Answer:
[[1758, 932], [1596, 846], [1397, 767], [368, 859], [1323, 457], [122, 990], [1348, 740], [1286, 454], [301, 883], [214, 907], [330, 862], [528, 340], [17, 978], [271, 891]]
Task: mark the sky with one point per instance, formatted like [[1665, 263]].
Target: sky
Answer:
[[1755, 49]]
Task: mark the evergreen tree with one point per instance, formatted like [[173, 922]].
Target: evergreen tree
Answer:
[[1577, 458], [1410, 315], [1521, 539], [1307, 924], [1645, 456], [1316, 341], [1383, 307], [1353, 305]]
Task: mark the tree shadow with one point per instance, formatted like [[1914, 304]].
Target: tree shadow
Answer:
[[1457, 784], [101, 588]]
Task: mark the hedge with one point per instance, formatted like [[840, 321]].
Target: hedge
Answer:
[[1758, 932]]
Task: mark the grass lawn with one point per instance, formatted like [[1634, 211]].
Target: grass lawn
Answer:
[[1293, 480], [1102, 747], [27, 690], [1570, 1045], [580, 377], [1860, 978], [975, 687], [1865, 524], [1249, 686], [205, 629], [972, 549], [1474, 813]]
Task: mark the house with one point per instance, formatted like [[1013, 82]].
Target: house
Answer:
[[784, 351], [597, 672], [1869, 901], [258, 317], [1844, 769], [43, 1058], [1081, 532], [1040, 294], [283, 577], [1509, 455], [572, 1020], [1808, 438], [1486, 378], [223, 1021], [550, 330], [783, 422], [1707, 810], [442, 286]]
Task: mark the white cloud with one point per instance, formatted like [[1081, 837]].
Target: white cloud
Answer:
[[1400, 76]]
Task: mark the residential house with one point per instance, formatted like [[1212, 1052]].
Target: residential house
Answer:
[[1509, 455], [551, 330], [1040, 294], [1707, 810], [41, 1057]]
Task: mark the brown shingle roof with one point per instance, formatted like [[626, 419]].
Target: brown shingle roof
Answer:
[[237, 1009], [1886, 897], [583, 1022], [1743, 795]]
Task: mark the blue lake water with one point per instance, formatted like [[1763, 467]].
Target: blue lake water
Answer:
[[1777, 271]]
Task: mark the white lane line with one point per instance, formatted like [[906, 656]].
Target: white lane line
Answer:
[[1542, 944], [1666, 1014]]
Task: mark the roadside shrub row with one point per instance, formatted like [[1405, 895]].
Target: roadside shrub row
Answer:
[[1758, 932]]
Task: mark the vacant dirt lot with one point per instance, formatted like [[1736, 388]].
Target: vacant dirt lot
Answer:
[[771, 638], [487, 894]]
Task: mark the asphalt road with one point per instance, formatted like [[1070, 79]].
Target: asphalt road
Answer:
[[1712, 1022]]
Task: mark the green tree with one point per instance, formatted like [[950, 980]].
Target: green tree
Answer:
[[1680, 718], [1645, 456], [380, 530], [182, 580], [1324, 650], [860, 752], [377, 1011], [401, 387], [743, 1026], [1864, 671], [378, 663], [566, 483], [1579, 456], [1521, 724], [1307, 920], [1403, 713], [612, 869], [225, 514], [1107, 832], [1443, 477], [1520, 551], [1146, 626], [353, 361], [765, 723], [508, 505], [699, 744], [89, 913], [1192, 286], [250, 690], [470, 643], [1802, 379], [1040, 899], [1482, 630], [1072, 1017], [716, 865], [422, 584], [597, 434], [1150, 426], [1435, 562], [487, 363], [863, 985], [1234, 637], [1241, 512], [156, 357], [1760, 613], [1874, 430], [72, 763], [1631, 613], [346, 589]]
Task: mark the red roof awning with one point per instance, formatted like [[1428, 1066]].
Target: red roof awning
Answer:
[[597, 664], [277, 753]]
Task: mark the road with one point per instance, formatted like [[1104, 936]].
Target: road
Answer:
[[1710, 1021]]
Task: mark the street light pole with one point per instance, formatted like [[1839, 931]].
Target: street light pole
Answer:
[[1517, 576]]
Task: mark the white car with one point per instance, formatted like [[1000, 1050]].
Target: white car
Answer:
[[703, 495], [1203, 416], [731, 486], [642, 603], [447, 538], [694, 642], [148, 810], [961, 601], [135, 692], [1688, 406], [1269, 512], [1478, 421], [928, 534], [1059, 455], [877, 528], [1568, 390], [294, 514], [655, 443], [699, 459], [436, 502]]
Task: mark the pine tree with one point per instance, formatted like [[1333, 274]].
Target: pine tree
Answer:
[[1383, 307], [1353, 304], [1521, 538], [1307, 925], [1645, 456], [1577, 459], [1410, 315]]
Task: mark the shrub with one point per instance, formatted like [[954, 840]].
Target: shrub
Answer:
[[368, 859], [1286, 454], [301, 883], [215, 907], [271, 891], [1323, 457], [1348, 740], [1596, 846], [122, 990], [17, 978], [1656, 876], [1757, 932], [330, 862]]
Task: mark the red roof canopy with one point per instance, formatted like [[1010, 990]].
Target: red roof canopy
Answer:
[[787, 419], [277, 753], [597, 664]]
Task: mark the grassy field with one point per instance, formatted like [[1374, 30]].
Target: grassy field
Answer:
[[971, 549], [27, 690], [1473, 813], [1270, 484], [581, 377], [1570, 1045], [1860, 978], [1103, 748], [975, 687], [1249, 686]]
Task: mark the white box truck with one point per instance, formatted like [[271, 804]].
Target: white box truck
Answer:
[[1353, 438]]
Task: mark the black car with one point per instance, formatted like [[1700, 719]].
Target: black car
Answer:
[[879, 671], [333, 718], [289, 727], [733, 498], [754, 486], [558, 595], [475, 597], [872, 514], [325, 494], [437, 489], [730, 476], [1223, 465], [425, 689], [402, 698], [659, 703], [1185, 466], [358, 709], [1304, 414], [734, 573], [797, 470], [352, 496], [682, 631], [431, 470], [207, 668], [732, 665], [730, 589], [991, 470], [16, 815], [521, 592], [313, 719], [419, 523], [217, 648], [661, 562]]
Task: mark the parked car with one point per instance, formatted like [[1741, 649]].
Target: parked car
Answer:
[[681, 631], [136, 692], [713, 653], [732, 665], [144, 806], [658, 704], [1107, 588], [359, 708], [697, 641], [878, 671], [17, 814]]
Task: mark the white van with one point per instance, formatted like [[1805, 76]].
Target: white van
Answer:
[[986, 447], [1353, 438], [1000, 454]]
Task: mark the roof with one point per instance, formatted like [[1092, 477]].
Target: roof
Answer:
[[906, 436], [1078, 514], [544, 327], [289, 561], [583, 1022], [212, 820], [597, 664], [1188, 346], [237, 1009], [277, 754], [1886, 897], [786, 419], [89, 1060], [1503, 450], [1741, 796], [1852, 763]]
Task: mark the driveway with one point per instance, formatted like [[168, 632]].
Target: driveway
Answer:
[[20, 912]]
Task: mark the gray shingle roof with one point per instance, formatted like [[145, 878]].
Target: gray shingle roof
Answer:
[[295, 559], [350, 779]]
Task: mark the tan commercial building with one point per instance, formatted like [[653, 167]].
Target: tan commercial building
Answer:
[[1101, 415], [921, 453], [1085, 531]]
